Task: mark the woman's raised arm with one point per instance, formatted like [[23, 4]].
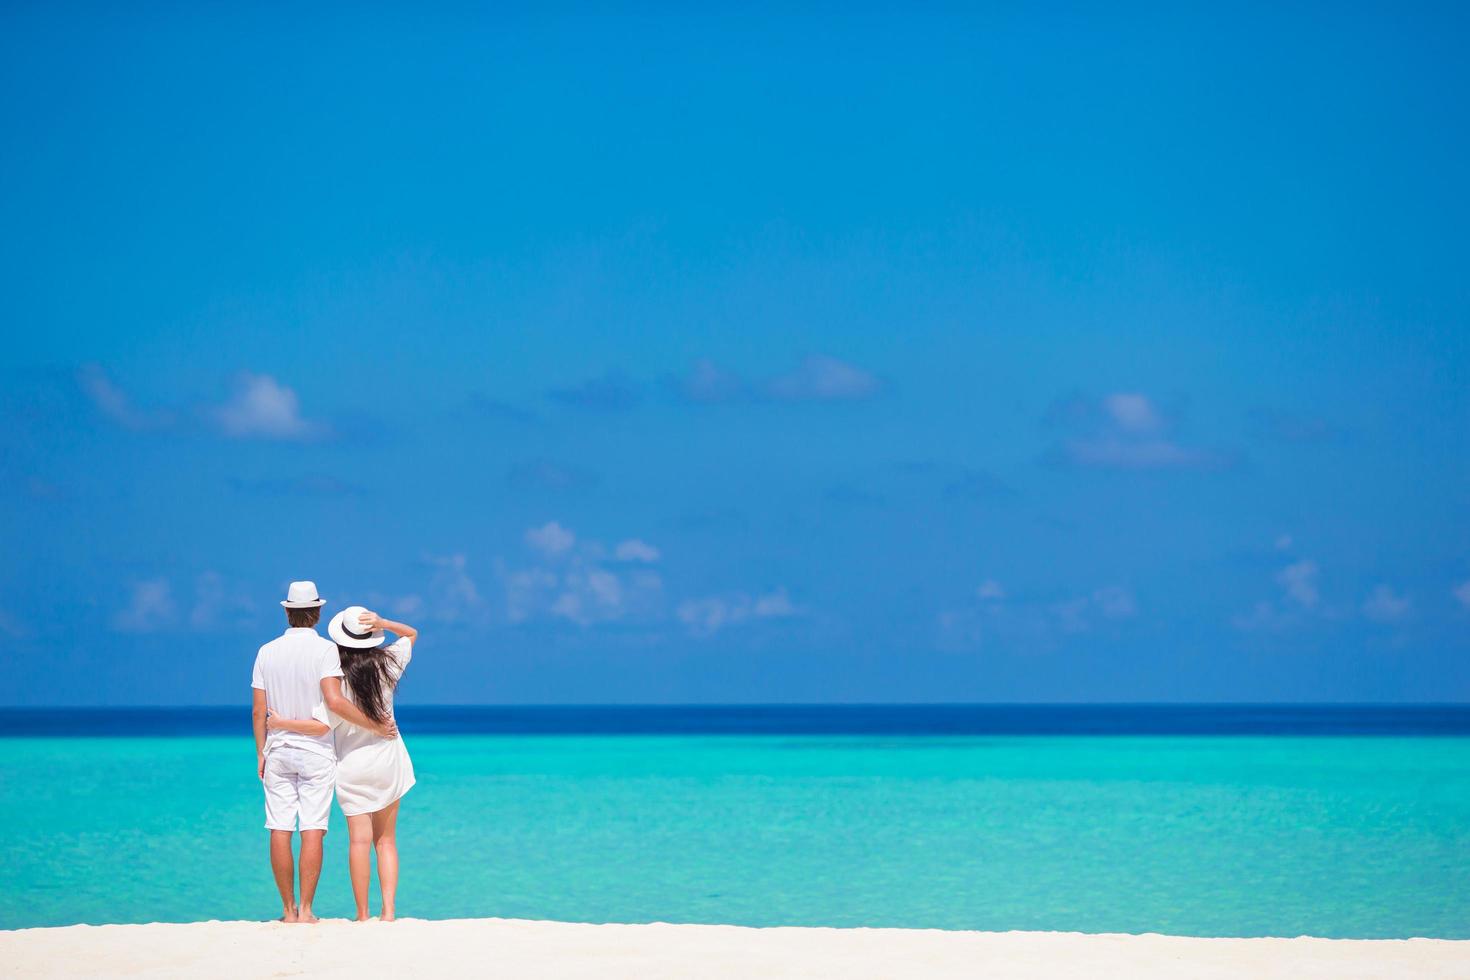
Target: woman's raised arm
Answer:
[[373, 621]]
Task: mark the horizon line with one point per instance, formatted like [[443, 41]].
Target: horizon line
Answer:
[[243, 705]]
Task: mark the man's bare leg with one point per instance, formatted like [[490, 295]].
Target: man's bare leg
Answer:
[[285, 872], [311, 871]]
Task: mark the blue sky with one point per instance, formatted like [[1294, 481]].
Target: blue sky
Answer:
[[988, 355]]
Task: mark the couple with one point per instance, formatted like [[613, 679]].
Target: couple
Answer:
[[323, 714]]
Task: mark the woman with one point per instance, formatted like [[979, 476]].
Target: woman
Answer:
[[373, 772]]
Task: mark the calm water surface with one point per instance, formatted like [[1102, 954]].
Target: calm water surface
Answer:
[[1362, 835]]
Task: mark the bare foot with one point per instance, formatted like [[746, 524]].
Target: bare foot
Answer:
[[304, 916], [363, 917], [387, 916], [290, 916]]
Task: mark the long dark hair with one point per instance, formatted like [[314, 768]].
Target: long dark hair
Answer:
[[366, 673]]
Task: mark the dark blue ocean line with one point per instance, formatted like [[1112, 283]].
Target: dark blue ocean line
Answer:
[[793, 719]]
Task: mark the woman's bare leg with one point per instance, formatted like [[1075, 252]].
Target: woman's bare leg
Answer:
[[385, 828], [360, 859]]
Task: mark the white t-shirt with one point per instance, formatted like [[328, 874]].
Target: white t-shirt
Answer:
[[289, 670]]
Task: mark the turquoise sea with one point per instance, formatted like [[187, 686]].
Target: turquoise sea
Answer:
[[1344, 835]]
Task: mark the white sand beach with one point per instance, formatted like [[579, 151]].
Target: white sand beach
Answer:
[[517, 948]]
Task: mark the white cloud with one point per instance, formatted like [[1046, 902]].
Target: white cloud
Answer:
[[215, 603], [1114, 602], [1031, 620], [961, 629], [635, 549], [150, 608], [1264, 616], [1461, 593], [1301, 595], [550, 539], [568, 605], [263, 408], [1384, 605], [571, 582], [587, 594], [452, 593], [1116, 453], [1299, 581], [708, 382], [107, 396], [1283, 542], [1077, 615], [817, 378], [115, 403], [447, 593], [1070, 615], [406, 605], [822, 378], [604, 587], [1133, 412], [259, 407], [565, 578], [1123, 431], [525, 592], [774, 605], [707, 616]]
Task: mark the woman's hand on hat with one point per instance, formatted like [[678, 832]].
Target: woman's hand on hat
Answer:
[[370, 619]]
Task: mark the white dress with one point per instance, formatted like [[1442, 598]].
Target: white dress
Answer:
[[372, 771]]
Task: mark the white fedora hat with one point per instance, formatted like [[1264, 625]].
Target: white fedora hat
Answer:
[[347, 631], [302, 595]]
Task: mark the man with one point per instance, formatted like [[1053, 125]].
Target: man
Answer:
[[296, 769]]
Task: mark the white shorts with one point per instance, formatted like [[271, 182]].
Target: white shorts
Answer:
[[298, 783]]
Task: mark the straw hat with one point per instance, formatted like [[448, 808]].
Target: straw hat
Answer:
[[302, 595], [346, 629]]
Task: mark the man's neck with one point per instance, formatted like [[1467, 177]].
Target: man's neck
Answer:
[[300, 629]]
